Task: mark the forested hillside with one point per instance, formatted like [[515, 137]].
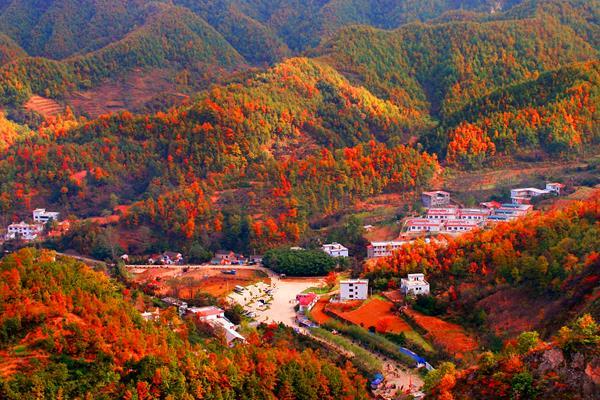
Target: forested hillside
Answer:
[[173, 38], [253, 149], [536, 273], [252, 160], [69, 332], [529, 368]]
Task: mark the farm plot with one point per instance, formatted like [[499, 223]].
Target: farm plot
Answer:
[[375, 312], [185, 284], [43, 106], [451, 337], [317, 313]]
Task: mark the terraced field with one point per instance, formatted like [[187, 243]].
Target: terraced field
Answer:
[[43, 106]]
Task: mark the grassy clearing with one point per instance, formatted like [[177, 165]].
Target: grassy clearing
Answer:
[[417, 339], [318, 290], [362, 359]]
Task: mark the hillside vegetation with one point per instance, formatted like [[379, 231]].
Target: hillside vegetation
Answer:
[[254, 145], [538, 272], [174, 38], [69, 332]]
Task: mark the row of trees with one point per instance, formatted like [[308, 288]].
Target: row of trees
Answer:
[[299, 262]]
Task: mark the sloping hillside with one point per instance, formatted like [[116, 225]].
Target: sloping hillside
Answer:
[[567, 368], [59, 28], [173, 38], [67, 331], [9, 50]]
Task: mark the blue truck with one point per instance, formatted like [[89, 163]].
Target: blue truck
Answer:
[[229, 272]]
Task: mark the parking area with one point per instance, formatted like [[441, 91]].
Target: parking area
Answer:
[[274, 302]]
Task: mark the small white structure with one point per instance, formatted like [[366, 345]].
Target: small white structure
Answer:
[[335, 250], [442, 214], [215, 317], [555, 187], [40, 215], [354, 289], [414, 284], [24, 231], [436, 198], [524, 195], [306, 301], [423, 225], [151, 315], [383, 249]]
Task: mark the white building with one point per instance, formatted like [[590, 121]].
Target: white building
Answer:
[[383, 249], [473, 214], [460, 225], [24, 231], [524, 195], [354, 289], [437, 198], [42, 216], [335, 250], [555, 187], [442, 214], [215, 317], [423, 225], [414, 284]]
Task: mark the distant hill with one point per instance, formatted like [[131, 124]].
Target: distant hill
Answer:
[[59, 28], [173, 38], [9, 50]]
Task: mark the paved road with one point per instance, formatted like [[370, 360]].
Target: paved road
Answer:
[[284, 299]]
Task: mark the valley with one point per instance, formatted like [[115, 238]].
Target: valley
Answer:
[[283, 199]]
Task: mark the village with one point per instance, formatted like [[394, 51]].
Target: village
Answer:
[[379, 330]]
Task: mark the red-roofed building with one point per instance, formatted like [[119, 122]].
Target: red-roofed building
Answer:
[[491, 205], [442, 213], [306, 301], [423, 225], [207, 313]]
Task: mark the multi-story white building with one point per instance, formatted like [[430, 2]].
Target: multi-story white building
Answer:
[[437, 198], [24, 231], [524, 195], [423, 225], [414, 284], [442, 214], [335, 250], [42, 216], [555, 187], [383, 249], [354, 289]]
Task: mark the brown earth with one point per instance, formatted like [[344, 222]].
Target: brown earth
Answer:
[[130, 92], [208, 280], [449, 336], [43, 106], [374, 312]]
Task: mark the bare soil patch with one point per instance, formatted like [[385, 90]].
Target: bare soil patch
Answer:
[[130, 92], [43, 106]]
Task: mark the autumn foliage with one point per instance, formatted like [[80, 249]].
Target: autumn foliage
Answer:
[[66, 330]]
